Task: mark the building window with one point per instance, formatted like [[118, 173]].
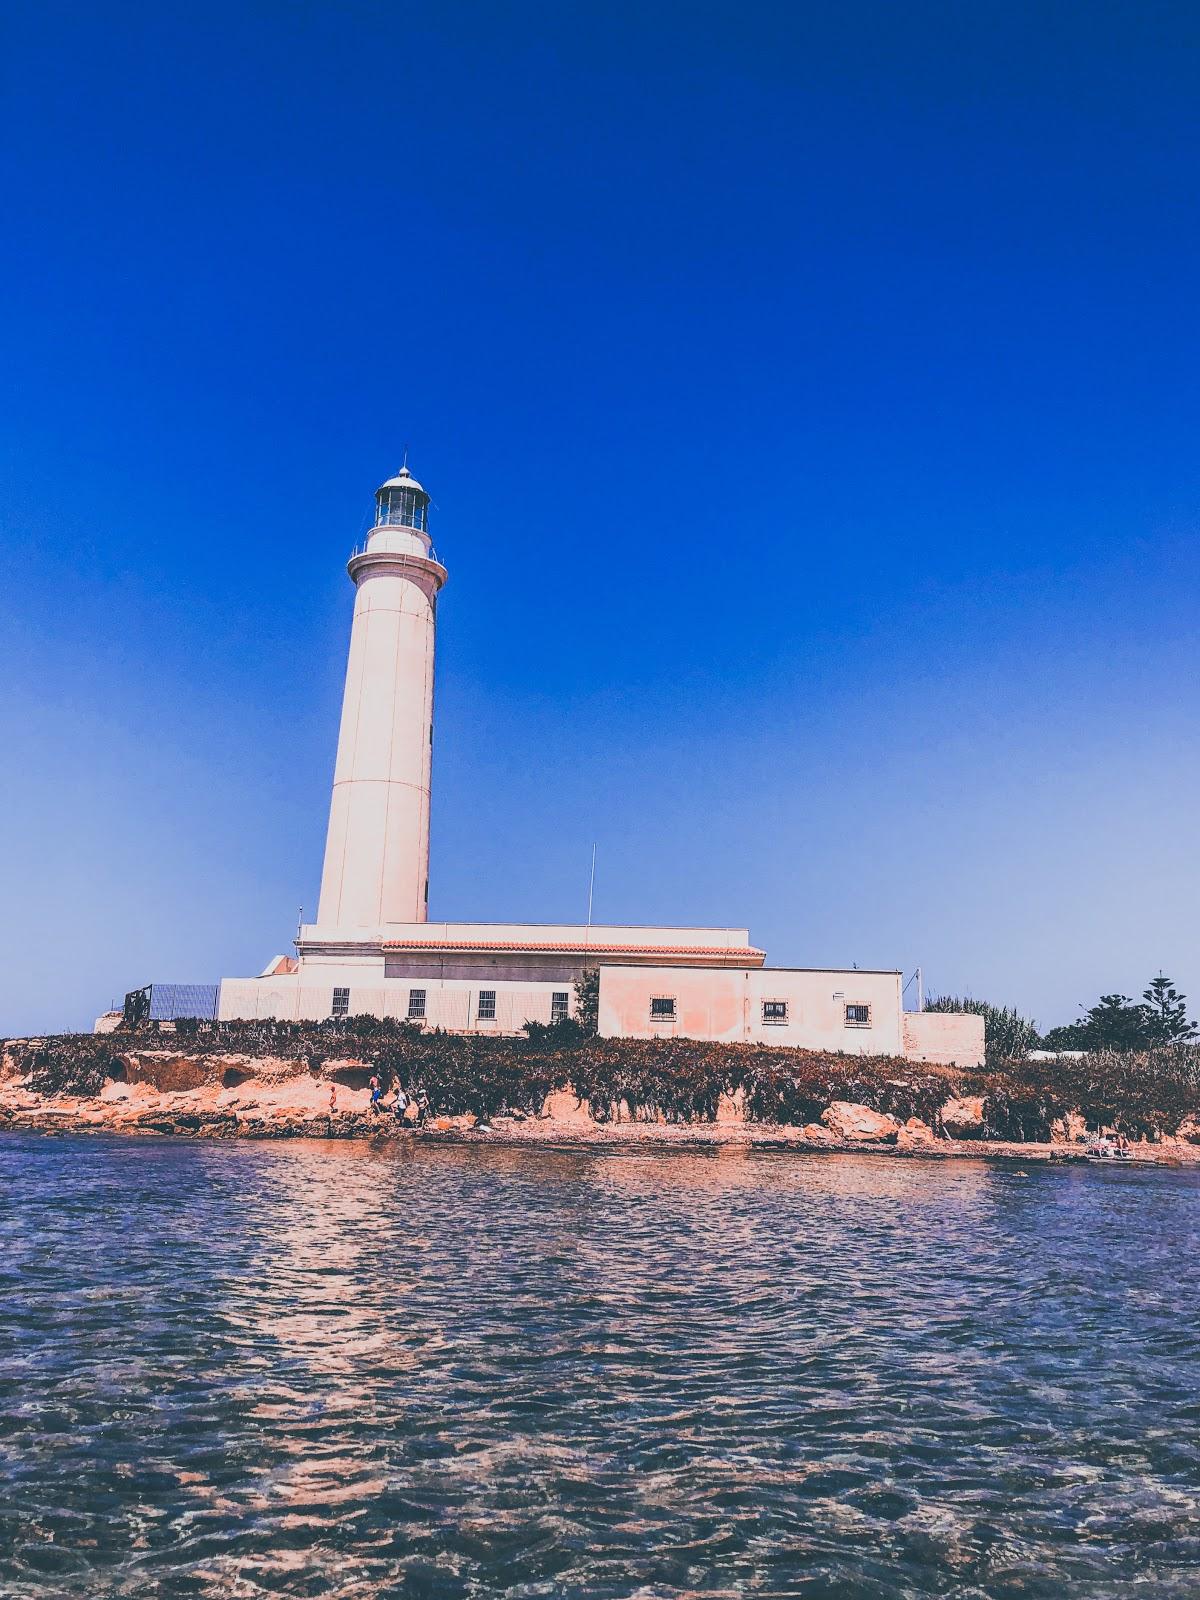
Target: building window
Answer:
[[858, 1016], [662, 1008], [487, 1006], [775, 1011], [416, 1005], [341, 1003], [559, 1002]]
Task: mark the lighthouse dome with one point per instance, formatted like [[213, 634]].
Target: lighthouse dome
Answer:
[[403, 480]]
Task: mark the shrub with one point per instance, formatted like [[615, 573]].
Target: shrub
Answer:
[[563, 1034], [68, 1063], [797, 1091]]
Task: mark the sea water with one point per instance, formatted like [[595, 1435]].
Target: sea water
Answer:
[[299, 1368]]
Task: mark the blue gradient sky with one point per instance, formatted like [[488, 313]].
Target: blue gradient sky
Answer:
[[809, 398]]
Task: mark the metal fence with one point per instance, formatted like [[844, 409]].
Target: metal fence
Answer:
[[168, 1002]]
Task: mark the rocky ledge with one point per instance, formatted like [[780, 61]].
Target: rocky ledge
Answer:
[[233, 1096]]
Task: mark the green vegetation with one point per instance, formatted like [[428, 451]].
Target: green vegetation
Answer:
[[1118, 1023], [587, 1000], [1115, 1022]]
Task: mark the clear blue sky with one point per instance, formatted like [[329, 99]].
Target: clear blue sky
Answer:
[[809, 398]]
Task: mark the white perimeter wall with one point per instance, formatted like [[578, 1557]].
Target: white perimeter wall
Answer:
[[450, 1003], [727, 1006], [945, 1038]]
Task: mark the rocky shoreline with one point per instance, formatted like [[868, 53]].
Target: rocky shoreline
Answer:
[[242, 1098], [293, 1108]]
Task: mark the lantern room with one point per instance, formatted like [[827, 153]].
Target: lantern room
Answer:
[[401, 502]]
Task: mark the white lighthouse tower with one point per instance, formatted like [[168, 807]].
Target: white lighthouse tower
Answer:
[[372, 950], [377, 849]]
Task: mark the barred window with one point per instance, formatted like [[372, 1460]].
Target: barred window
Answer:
[[341, 1003], [662, 1008], [858, 1016], [775, 1011], [560, 1001], [487, 1006], [416, 1004]]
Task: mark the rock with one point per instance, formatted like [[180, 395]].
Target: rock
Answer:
[[848, 1121], [564, 1105], [963, 1118], [732, 1107], [1071, 1129], [165, 1070], [915, 1135], [816, 1134], [349, 1072]]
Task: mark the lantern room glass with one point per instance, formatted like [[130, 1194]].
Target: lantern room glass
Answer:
[[404, 508]]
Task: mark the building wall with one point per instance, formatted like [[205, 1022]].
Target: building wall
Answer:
[[944, 1037], [728, 1006], [451, 1004], [717, 1004]]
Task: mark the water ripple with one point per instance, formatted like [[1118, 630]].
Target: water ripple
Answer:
[[243, 1370]]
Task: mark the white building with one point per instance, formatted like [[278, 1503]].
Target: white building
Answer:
[[373, 950]]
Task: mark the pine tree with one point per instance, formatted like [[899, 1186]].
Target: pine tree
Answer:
[[587, 999], [1167, 1012]]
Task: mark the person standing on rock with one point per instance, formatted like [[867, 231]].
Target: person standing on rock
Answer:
[[401, 1104], [376, 1093], [333, 1099]]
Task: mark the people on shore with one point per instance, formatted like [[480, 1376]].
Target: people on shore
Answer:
[[400, 1105], [376, 1094], [333, 1099]]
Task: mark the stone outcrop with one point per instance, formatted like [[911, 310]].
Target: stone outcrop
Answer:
[[963, 1118], [816, 1134], [846, 1120], [915, 1135], [564, 1105], [732, 1107], [1071, 1129], [170, 1071]]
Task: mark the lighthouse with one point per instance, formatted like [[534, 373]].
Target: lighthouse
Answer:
[[377, 848]]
